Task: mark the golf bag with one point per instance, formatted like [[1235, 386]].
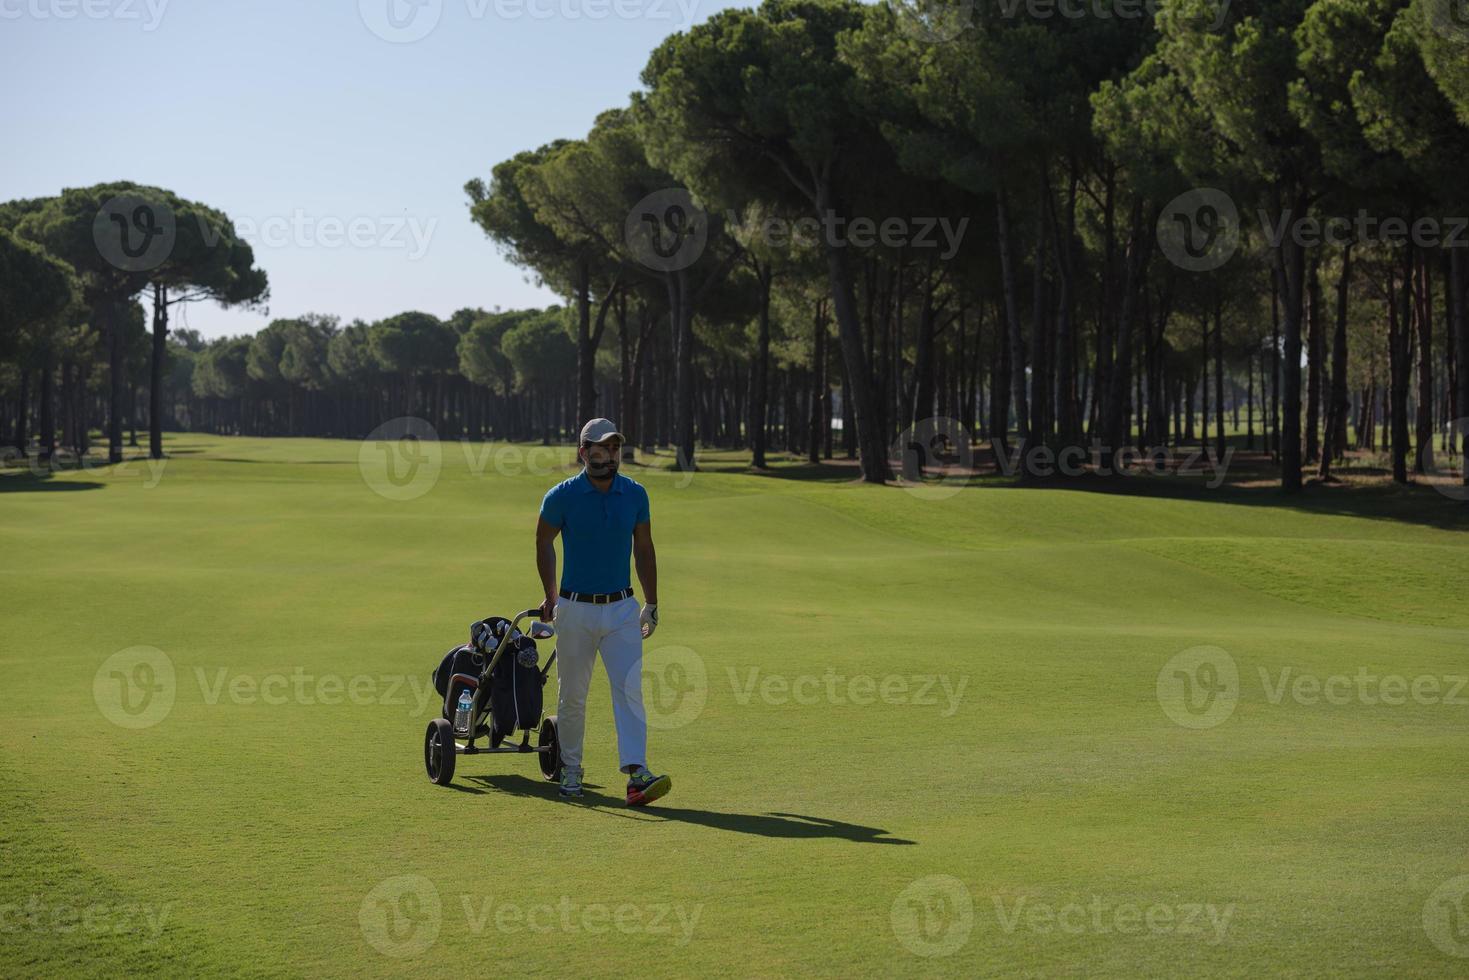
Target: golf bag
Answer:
[[515, 686]]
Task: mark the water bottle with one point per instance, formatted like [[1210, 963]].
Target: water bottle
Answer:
[[461, 716]]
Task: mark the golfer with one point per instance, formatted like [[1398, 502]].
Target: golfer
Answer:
[[603, 520]]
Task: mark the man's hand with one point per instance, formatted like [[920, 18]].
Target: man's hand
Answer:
[[548, 608], [649, 619]]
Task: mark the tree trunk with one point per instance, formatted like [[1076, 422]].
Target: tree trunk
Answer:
[[1336, 405], [1458, 289], [114, 311], [872, 450], [1399, 330], [760, 388], [1219, 379], [1292, 258], [818, 383], [47, 433], [155, 372], [1012, 321], [1423, 461], [1316, 349], [22, 414]]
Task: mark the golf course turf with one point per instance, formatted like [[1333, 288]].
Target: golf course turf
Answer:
[[977, 730]]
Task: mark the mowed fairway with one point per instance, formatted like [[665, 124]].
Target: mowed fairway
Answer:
[[908, 736]]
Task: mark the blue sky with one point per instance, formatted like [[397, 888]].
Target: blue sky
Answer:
[[337, 138]]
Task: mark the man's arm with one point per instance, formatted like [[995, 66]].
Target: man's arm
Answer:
[[646, 561], [546, 566]]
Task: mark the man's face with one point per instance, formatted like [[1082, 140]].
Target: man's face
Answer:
[[602, 458]]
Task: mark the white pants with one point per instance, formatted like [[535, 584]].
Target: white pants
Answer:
[[582, 628]]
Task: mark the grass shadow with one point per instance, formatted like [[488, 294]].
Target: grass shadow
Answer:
[[26, 481], [787, 825]]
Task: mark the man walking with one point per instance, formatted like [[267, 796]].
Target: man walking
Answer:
[[603, 521]]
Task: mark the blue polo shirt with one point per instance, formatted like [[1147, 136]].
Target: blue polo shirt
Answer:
[[596, 530]]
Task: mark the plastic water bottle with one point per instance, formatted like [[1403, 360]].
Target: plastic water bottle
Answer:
[[461, 716]]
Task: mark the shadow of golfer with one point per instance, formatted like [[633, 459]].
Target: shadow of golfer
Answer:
[[789, 825]]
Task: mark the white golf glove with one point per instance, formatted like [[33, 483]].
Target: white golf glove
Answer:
[[649, 619]]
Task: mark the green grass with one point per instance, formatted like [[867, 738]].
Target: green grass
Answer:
[[801, 835]]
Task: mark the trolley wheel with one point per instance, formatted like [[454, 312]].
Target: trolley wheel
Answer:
[[439, 751], [550, 761]]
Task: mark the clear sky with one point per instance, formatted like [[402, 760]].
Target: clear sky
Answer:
[[337, 138]]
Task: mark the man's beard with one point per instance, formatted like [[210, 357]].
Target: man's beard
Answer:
[[602, 471]]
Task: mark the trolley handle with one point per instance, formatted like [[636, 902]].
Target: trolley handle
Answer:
[[509, 631]]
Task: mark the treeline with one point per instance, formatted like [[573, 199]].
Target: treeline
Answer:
[[1058, 227]]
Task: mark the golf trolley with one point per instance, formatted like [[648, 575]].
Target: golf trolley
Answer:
[[490, 695]]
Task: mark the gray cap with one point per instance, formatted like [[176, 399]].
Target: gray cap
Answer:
[[599, 430]]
